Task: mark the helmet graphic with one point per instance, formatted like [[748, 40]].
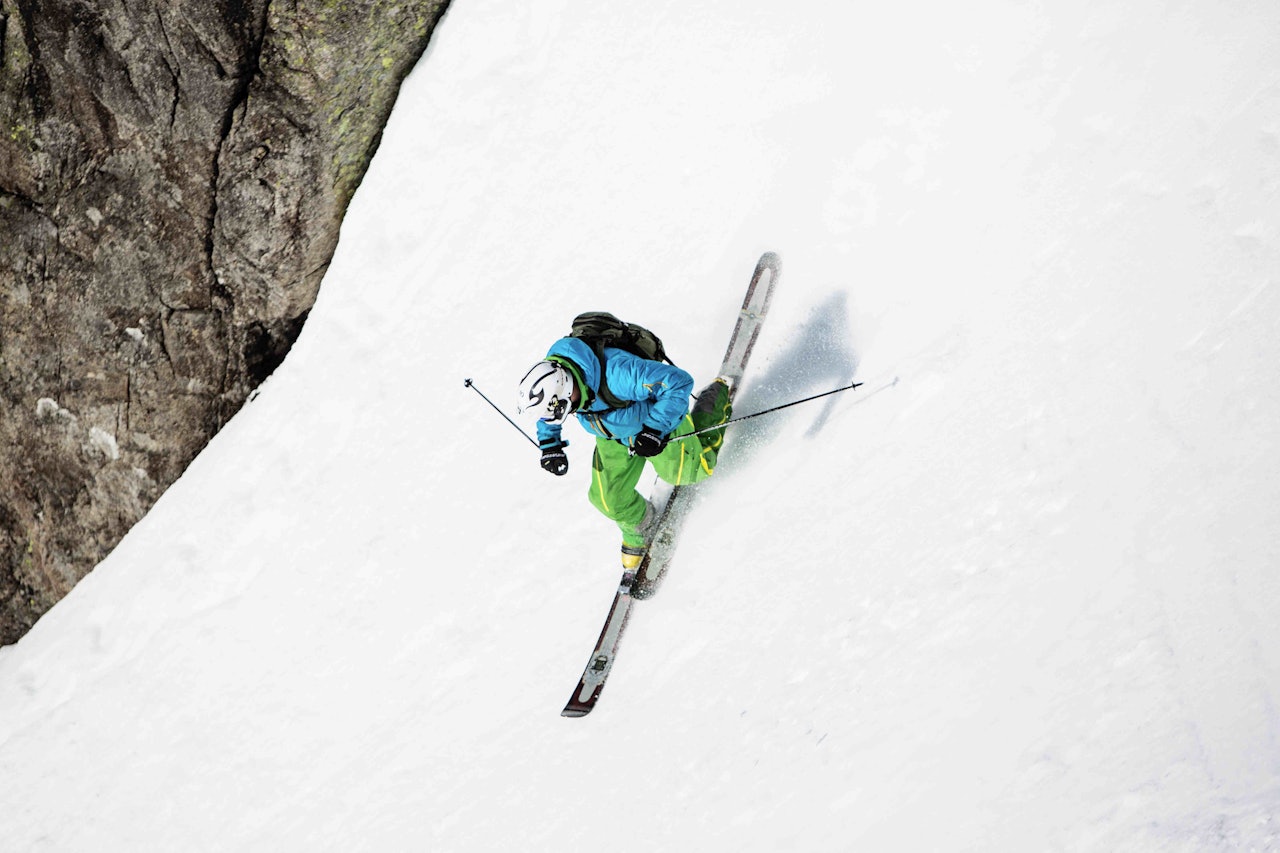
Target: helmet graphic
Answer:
[[547, 391]]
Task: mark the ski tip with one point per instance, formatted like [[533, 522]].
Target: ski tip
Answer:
[[575, 711], [770, 259]]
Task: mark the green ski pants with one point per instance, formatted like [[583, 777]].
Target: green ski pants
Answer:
[[687, 459]]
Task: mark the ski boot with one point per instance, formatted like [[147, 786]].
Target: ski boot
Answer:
[[635, 544]]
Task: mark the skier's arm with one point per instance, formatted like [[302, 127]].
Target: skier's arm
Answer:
[[665, 386], [549, 435], [552, 445]]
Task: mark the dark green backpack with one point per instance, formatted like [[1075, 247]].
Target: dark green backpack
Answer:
[[600, 329]]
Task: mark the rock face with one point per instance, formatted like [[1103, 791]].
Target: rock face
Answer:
[[173, 174]]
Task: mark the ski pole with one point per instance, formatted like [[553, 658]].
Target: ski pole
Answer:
[[472, 386], [789, 405]]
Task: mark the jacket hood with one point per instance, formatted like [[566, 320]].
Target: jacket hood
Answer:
[[581, 360]]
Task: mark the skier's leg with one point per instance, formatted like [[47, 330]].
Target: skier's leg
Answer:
[[690, 459], [614, 475], [685, 460], [712, 406]]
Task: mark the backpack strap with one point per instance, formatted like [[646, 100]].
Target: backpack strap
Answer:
[[606, 396]]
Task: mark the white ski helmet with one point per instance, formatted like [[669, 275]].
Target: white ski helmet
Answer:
[[547, 391]]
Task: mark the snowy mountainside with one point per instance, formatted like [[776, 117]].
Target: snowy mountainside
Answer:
[[1022, 599]]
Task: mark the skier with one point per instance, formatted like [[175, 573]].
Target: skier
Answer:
[[654, 423]]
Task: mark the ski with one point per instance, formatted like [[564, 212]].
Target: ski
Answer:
[[592, 682], [677, 500], [673, 503]]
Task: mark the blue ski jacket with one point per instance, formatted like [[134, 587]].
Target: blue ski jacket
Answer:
[[660, 393]]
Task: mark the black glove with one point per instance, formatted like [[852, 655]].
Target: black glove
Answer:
[[554, 459], [649, 442]]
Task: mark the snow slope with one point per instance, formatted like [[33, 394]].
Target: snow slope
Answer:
[[1023, 600]]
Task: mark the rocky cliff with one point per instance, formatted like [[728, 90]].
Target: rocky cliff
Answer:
[[173, 175]]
